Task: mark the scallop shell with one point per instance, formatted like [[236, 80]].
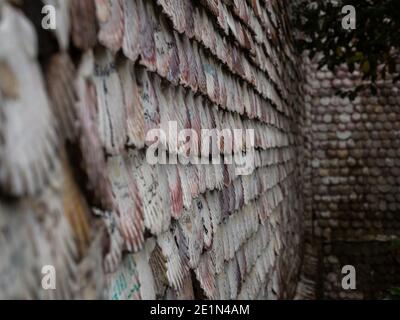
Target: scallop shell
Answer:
[[191, 226], [129, 203], [205, 274], [217, 251], [156, 215], [222, 282], [113, 245], [191, 60], [186, 193], [52, 230], [209, 173], [176, 269], [219, 176], [184, 66], [110, 101], [131, 40], [194, 118], [175, 190], [90, 270], [147, 44], [148, 100], [124, 283], [110, 17], [181, 240], [60, 77], [93, 159], [163, 97], [188, 9], [204, 212], [193, 180], [186, 292], [201, 77], [159, 269], [179, 13], [233, 276], [241, 261], [17, 280], [211, 78], [145, 273], [26, 160], [134, 112], [202, 178], [166, 198], [167, 52], [212, 199], [83, 24]]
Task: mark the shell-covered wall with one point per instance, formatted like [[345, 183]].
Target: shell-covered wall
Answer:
[[76, 191], [353, 179]]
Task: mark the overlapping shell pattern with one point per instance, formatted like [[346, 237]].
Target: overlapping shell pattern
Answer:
[[76, 189]]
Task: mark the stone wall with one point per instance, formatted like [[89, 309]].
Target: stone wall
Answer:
[[353, 175], [76, 191]]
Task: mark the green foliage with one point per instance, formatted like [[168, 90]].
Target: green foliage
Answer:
[[395, 293], [371, 48]]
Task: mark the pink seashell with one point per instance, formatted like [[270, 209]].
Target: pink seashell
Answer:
[[205, 274], [175, 187], [110, 17]]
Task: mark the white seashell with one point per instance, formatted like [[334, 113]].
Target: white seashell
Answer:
[[26, 158], [124, 283], [156, 214], [204, 212], [176, 270], [145, 274], [187, 196], [93, 159], [110, 101], [115, 242], [129, 203], [192, 228], [148, 100], [134, 112]]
